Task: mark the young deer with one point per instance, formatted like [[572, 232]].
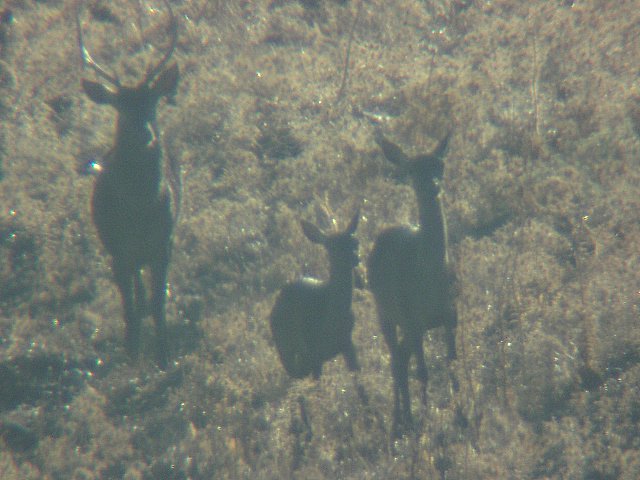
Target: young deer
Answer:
[[137, 193], [410, 277], [311, 321]]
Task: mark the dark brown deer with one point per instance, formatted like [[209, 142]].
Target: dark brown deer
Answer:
[[311, 321], [411, 279], [137, 194]]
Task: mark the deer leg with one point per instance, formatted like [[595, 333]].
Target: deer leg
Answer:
[[158, 297], [421, 370], [397, 416], [140, 300], [401, 401], [399, 372], [450, 332], [124, 280]]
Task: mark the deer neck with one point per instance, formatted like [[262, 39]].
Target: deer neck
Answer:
[[340, 283], [135, 136], [136, 145], [433, 224], [135, 164]]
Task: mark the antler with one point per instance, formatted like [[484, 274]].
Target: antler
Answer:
[[173, 27], [87, 59]]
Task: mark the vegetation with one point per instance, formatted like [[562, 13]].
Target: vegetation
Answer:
[[542, 199]]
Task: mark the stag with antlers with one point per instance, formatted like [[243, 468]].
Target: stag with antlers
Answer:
[[137, 193]]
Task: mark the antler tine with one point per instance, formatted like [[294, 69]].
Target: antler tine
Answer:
[[443, 145], [173, 26], [87, 59]]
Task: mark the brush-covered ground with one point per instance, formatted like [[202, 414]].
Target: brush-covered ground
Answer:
[[542, 197]]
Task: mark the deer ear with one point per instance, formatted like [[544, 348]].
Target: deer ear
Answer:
[[312, 232], [392, 152], [353, 224], [167, 82], [98, 92], [441, 149]]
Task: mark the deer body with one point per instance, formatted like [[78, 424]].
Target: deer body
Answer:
[[311, 321], [137, 195], [410, 277]]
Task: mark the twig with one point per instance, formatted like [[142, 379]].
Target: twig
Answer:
[[345, 70]]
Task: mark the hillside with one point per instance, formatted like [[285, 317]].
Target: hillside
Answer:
[[274, 122]]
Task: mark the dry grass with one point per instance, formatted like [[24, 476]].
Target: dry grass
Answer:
[[543, 202]]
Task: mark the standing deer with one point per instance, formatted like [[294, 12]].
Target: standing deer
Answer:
[[137, 193], [410, 277], [311, 321]]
